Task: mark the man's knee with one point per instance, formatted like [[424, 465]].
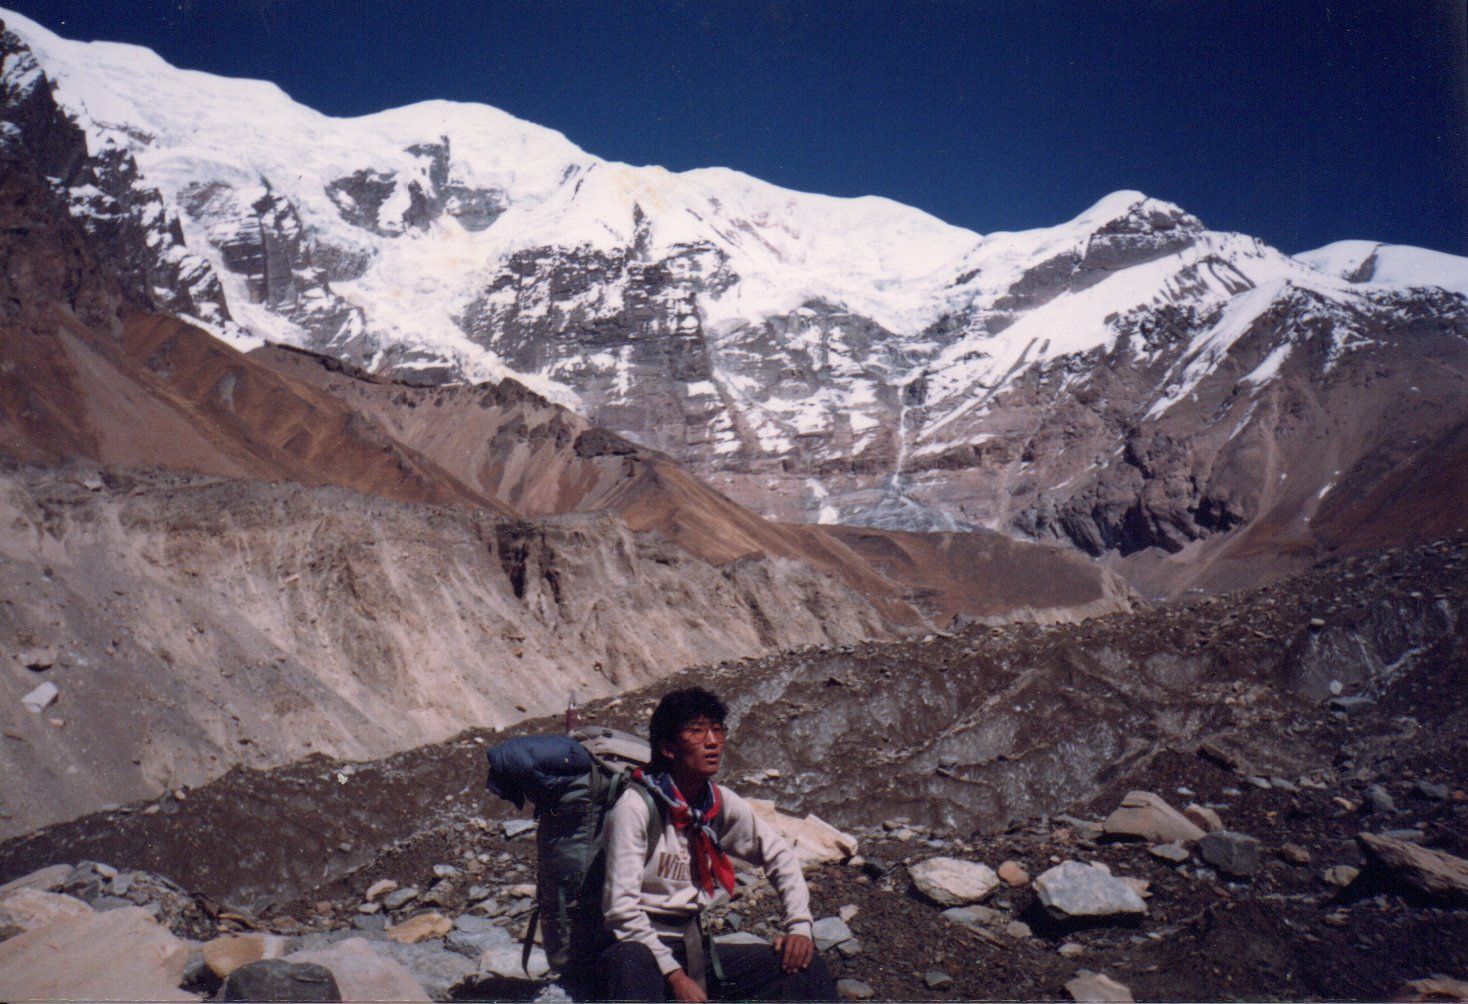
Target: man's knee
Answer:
[[813, 983], [627, 970]]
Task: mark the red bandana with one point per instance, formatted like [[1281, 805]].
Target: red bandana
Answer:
[[710, 863]]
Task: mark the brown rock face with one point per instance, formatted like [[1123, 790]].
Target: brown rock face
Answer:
[[1434, 873]]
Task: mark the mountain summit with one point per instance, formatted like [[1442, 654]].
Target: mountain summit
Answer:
[[1130, 381]]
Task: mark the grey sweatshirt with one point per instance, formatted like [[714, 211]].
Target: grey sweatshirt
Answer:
[[643, 902]]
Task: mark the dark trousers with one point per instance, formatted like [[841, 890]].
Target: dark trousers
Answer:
[[627, 971]]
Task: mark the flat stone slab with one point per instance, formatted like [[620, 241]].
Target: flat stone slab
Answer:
[[118, 955], [953, 881], [1075, 890]]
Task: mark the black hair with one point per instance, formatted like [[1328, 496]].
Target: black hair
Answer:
[[675, 710]]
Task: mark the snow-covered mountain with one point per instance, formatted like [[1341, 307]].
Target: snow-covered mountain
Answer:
[[1114, 380]]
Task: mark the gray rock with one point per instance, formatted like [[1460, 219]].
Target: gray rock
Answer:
[[740, 938], [399, 897], [370, 925], [829, 932], [1412, 836], [41, 698], [1340, 876], [1378, 800], [1235, 854], [854, 990], [1437, 792], [514, 827], [849, 949], [436, 969], [445, 871], [278, 980], [936, 979], [441, 892], [973, 916], [472, 935], [1352, 704], [477, 893], [1072, 890], [317, 940]]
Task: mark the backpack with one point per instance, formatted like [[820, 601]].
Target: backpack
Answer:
[[573, 781]]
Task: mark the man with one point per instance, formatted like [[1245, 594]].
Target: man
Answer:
[[652, 904]]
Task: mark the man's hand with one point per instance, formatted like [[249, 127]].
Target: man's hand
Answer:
[[796, 951], [685, 989]]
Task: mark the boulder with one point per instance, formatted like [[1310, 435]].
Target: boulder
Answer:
[[504, 961], [828, 932], [953, 881], [1098, 987], [420, 927], [362, 974], [1013, 874], [28, 909], [278, 980], [224, 955], [1018, 930], [815, 841], [1146, 816], [1434, 873], [1073, 890], [1235, 854], [854, 990], [48, 879], [119, 955], [1203, 817]]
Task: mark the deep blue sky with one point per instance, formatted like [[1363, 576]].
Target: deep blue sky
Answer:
[[1300, 123]]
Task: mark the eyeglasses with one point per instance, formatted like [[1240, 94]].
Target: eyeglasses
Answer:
[[697, 732]]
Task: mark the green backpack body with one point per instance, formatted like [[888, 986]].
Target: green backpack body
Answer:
[[570, 849]]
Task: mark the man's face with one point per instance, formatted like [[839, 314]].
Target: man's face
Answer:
[[698, 749]]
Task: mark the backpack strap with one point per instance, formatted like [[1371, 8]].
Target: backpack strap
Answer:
[[654, 822]]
